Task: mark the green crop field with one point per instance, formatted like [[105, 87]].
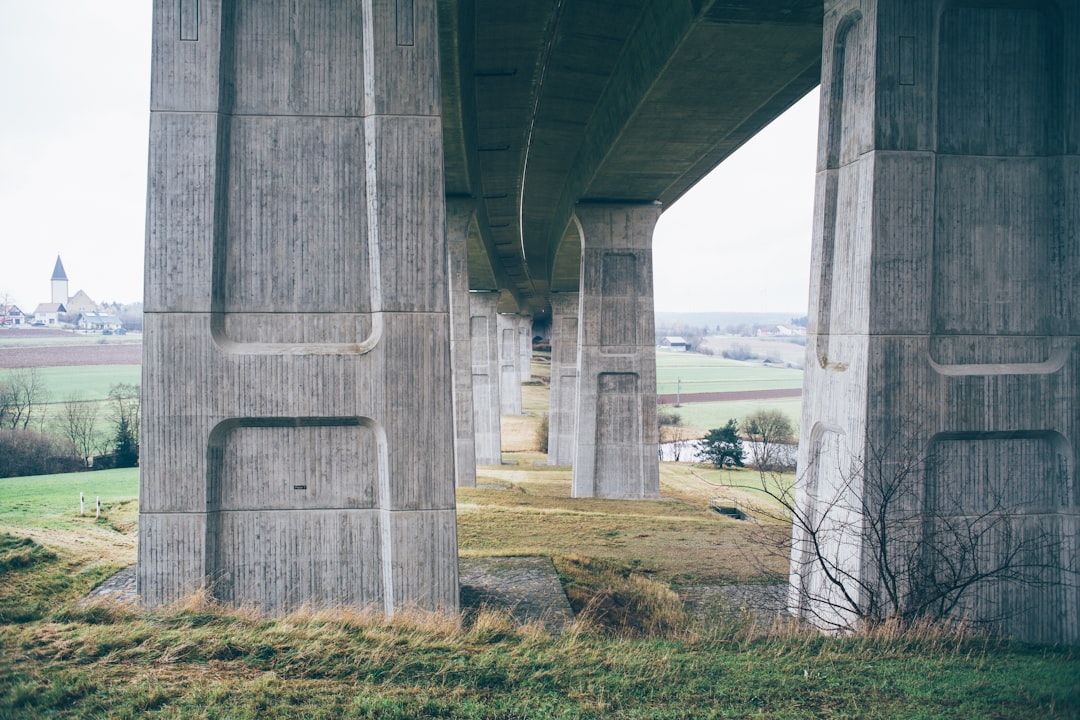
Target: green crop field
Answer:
[[704, 373], [83, 382]]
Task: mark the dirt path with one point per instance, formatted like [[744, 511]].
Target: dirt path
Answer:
[[730, 395]]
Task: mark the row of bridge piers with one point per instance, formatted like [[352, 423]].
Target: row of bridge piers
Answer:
[[320, 374], [602, 418]]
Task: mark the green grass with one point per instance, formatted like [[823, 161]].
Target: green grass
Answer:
[[704, 373], [52, 501], [84, 382], [632, 656], [706, 416]]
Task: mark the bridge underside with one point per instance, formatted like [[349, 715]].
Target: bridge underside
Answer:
[[348, 199]]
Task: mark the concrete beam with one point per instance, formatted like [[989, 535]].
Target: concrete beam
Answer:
[[945, 246], [615, 455]]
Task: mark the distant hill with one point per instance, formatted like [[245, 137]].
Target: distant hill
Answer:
[[712, 320]]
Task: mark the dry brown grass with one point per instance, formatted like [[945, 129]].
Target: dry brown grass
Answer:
[[676, 540]]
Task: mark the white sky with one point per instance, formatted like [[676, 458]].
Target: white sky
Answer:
[[74, 116]]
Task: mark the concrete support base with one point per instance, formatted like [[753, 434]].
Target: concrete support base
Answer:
[[943, 329], [562, 417], [615, 454], [483, 330], [297, 444]]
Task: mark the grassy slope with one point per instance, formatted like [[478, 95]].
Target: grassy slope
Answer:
[[196, 661]]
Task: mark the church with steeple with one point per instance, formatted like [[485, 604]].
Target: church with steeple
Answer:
[[73, 305]]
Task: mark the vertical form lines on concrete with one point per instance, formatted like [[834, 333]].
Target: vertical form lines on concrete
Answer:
[[562, 417], [460, 215], [615, 454], [509, 364], [525, 348], [945, 251], [297, 330], [484, 336]]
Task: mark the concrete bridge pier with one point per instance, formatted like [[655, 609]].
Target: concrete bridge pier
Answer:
[[297, 436], [615, 454], [509, 364], [562, 416], [944, 296], [525, 325], [486, 371], [460, 219]]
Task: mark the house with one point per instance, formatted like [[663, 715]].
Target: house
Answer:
[[98, 321], [79, 303], [48, 313], [676, 343], [12, 316]]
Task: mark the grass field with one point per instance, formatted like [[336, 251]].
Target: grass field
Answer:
[[85, 383], [59, 659], [701, 417], [704, 373], [633, 653]]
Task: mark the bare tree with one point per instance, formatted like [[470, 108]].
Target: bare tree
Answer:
[[871, 548], [20, 395], [77, 425], [770, 434]]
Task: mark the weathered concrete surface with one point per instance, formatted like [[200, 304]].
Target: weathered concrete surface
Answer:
[[509, 365], [944, 290], [615, 453], [483, 330], [526, 587], [460, 221], [548, 104], [525, 324], [297, 441], [562, 411]]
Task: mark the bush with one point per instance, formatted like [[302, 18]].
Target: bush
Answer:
[[28, 452], [739, 352]]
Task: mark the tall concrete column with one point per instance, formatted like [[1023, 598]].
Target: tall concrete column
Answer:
[[483, 329], [562, 417], [459, 219], [297, 442], [615, 454], [525, 324], [943, 302], [509, 365]]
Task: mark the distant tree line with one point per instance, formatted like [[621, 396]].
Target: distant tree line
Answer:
[[73, 437]]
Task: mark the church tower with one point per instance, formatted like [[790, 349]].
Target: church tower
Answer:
[[59, 283]]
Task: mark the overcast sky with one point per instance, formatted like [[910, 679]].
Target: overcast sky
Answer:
[[75, 88]]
